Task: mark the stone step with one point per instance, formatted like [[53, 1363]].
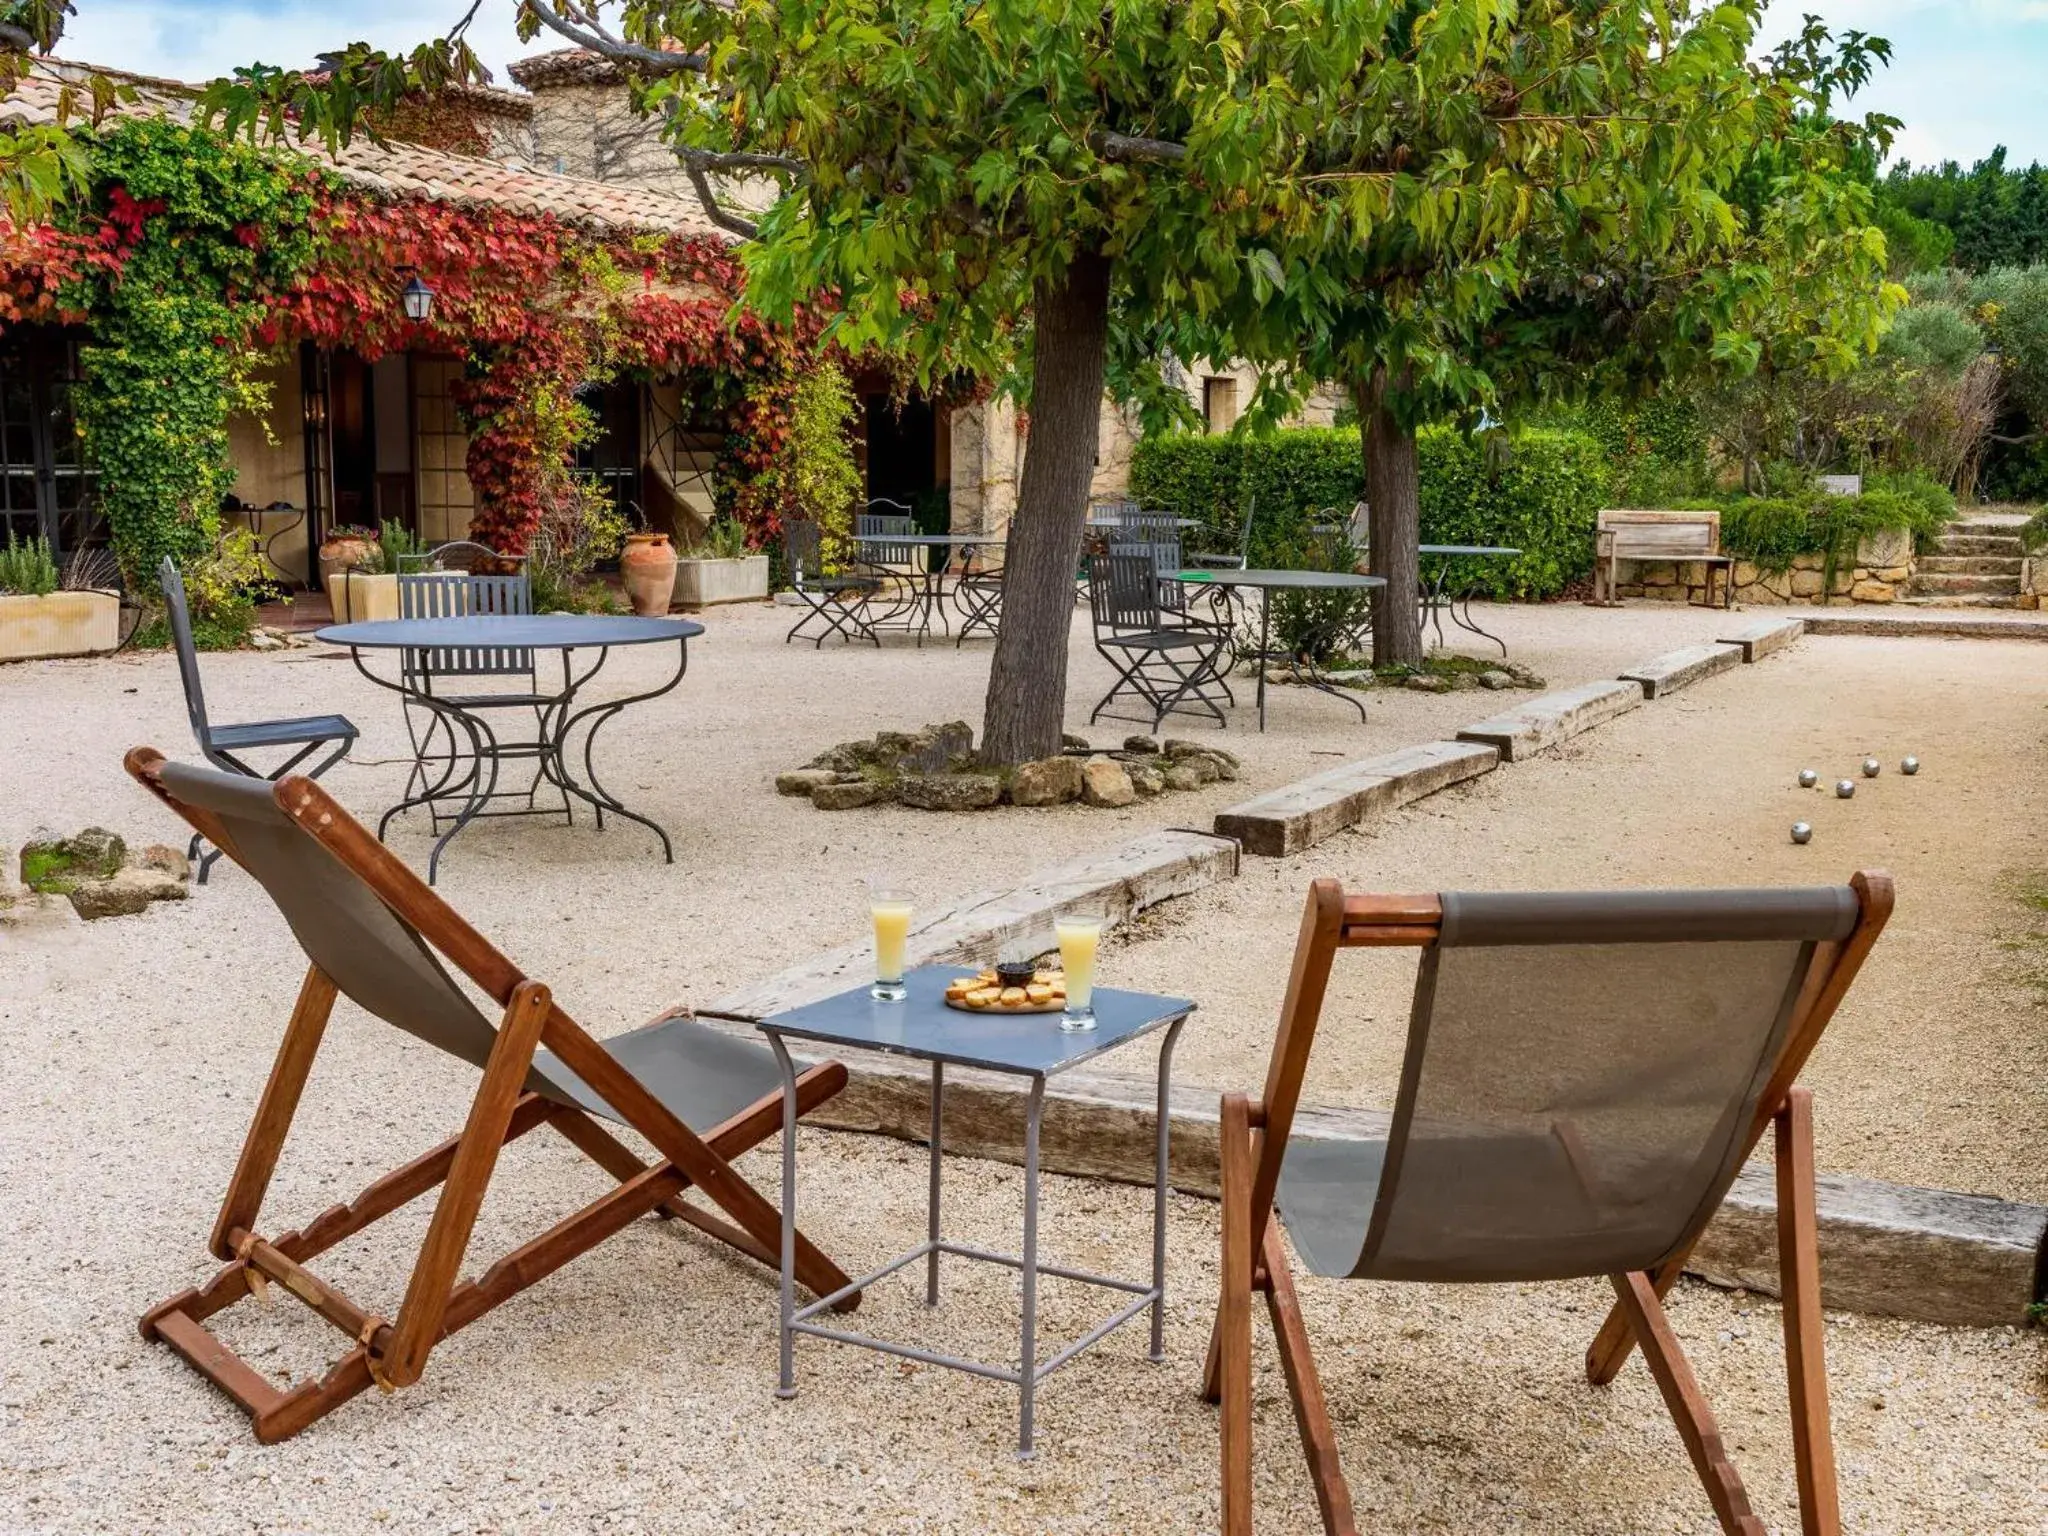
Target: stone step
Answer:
[[1970, 565], [1934, 584], [1967, 600], [1953, 543]]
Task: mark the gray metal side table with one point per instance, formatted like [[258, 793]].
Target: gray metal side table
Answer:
[[1030, 1045]]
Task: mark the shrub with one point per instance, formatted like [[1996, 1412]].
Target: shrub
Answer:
[[27, 570], [1539, 493], [1770, 531]]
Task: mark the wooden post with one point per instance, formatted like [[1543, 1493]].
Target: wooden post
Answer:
[[1813, 1450]]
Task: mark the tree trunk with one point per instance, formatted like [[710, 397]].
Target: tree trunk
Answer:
[[1393, 493], [1027, 679]]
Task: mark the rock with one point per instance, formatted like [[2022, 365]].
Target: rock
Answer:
[[849, 795], [1428, 682], [1145, 746], [127, 893], [1049, 781], [801, 781], [1806, 583], [1191, 773], [847, 757], [1495, 681], [1106, 783], [53, 865], [1180, 746], [163, 856], [1873, 592], [1146, 779], [1069, 742], [1224, 764], [1463, 682], [262, 640], [947, 791]]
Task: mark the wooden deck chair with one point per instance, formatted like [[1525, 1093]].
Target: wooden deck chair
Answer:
[[1585, 1075], [371, 929]]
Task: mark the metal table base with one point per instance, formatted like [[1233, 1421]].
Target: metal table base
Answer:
[[1030, 1370]]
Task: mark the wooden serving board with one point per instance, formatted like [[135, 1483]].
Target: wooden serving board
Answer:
[[1055, 1004]]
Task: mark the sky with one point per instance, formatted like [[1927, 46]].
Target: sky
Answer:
[[1966, 75]]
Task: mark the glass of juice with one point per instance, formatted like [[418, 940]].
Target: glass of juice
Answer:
[[1080, 935], [889, 908]]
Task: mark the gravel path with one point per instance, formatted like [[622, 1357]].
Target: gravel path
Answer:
[[1928, 1075], [631, 1392]]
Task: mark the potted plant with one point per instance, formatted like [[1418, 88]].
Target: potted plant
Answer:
[[345, 548], [368, 587], [721, 568], [38, 620]]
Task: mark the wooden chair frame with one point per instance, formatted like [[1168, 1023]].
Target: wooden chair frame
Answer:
[[1254, 1142], [393, 1353]]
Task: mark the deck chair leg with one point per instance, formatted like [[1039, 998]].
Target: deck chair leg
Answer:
[[274, 1112], [1813, 1449], [1688, 1405], [1305, 1387], [490, 1116], [1233, 1344]]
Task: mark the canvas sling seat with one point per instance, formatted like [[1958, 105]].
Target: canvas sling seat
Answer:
[[377, 934], [1585, 1075]]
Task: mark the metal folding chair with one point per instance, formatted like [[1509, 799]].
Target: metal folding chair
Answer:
[[1170, 663], [838, 601], [1242, 559], [219, 744]]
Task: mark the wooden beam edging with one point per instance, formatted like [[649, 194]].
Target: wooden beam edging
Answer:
[[1300, 815], [1930, 1255], [1943, 628], [1674, 670]]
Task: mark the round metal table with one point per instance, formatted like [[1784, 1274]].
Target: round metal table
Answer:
[[978, 601], [1266, 583], [470, 780], [1436, 602]]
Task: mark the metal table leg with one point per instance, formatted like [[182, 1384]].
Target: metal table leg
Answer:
[[1265, 645], [931, 1272], [785, 1384], [1158, 1352], [1027, 1362]]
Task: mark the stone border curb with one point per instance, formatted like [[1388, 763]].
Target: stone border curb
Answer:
[[1958, 628], [1302, 814], [1682, 668], [1767, 635], [1551, 718]]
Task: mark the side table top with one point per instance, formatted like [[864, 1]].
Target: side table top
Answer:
[[923, 1026]]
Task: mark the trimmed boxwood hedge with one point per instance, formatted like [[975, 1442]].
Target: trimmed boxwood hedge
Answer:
[[1539, 492]]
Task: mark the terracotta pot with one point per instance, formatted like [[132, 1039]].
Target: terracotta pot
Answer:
[[338, 555], [647, 566]]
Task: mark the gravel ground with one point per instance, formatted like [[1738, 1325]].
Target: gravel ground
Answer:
[[631, 1392], [1926, 1076]]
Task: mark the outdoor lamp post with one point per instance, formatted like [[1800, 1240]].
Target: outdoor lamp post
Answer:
[[418, 299]]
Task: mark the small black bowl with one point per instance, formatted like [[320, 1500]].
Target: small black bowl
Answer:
[[1016, 973]]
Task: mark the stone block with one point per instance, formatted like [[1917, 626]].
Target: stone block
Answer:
[[1302, 814], [1868, 591], [1191, 773], [162, 856], [1681, 668], [1146, 779], [947, 791], [1765, 636], [1049, 781], [1544, 721], [848, 796], [125, 894], [801, 781], [1106, 783]]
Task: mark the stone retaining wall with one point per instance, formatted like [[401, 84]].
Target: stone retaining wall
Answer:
[[1882, 568]]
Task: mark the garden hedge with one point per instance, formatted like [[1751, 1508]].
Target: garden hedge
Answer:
[[1538, 491]]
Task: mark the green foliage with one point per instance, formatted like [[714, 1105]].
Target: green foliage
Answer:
[[815, 475], [1993, 216], [210, 227], [1540, 496], [1770, 531], [1319, 626], [27, 570], [725, 539], [220, 593], [580, 525], [1656, 448]]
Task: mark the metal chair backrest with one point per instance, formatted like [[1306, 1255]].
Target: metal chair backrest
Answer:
[[1244, 532], [1112, 511], [803, 551], [462, 555], [876, 531], [179, 617], [1156, 535], [1583, 1077], [1123, 592], [454, 595]]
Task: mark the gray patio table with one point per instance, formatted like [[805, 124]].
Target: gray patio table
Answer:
[[1267, 582], [1436, 602], [928, 593], [473, 780], [1029, 1045]]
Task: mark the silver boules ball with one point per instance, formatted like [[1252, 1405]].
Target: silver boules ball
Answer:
[[1845, 789], [1870, 767], [1808, 777], [1801, 833], [1910, 766]]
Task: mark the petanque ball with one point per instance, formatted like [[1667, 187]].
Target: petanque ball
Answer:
[[1845, 789], [1808, 777], [1870, 767], [1801, 832], [1910, 766]]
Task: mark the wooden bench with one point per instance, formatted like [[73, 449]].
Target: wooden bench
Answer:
[[1688, 537]]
